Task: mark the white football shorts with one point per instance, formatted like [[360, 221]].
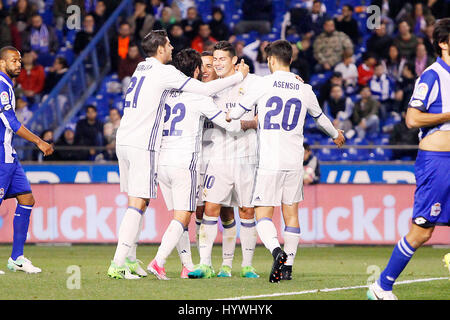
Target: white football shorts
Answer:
[[179, 187], [229, 184], [137, 171], [272, 188]]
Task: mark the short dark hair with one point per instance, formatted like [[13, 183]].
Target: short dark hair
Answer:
[[187, 60], [62, 61], [349, 7], [91, 106], [306, 146], [5, 50], [153, 40], [441, 34], [225, 46], [207, 54], [281, 50]]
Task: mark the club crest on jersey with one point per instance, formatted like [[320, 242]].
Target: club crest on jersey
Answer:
[[435, 209], [4, 97], [421, 91], [2, 193], [241, 91]]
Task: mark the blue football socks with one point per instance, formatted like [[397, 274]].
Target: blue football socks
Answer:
[[20, 225]]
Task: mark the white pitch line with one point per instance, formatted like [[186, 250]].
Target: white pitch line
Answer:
[[325, 290]]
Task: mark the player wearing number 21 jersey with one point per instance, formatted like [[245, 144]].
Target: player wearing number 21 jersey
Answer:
[[283, 102]]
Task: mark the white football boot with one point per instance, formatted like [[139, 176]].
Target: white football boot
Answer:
[[375, 292], [22, 264]]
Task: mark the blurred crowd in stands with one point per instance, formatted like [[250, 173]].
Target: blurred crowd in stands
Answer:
[[363, 77]]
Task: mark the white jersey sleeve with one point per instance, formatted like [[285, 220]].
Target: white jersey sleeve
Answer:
[[173, 78], [255, 91]]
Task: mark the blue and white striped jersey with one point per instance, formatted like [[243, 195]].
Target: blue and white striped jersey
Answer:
[[432, 94], [9, 123]]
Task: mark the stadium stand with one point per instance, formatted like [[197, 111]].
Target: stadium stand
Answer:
[[90, 80]]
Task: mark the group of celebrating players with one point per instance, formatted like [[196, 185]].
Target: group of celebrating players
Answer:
[[214, 137]]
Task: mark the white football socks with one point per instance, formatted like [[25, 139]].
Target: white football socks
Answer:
[[228, 242], [127, 235], [248, 237], [169, 241], [267, 233], [184, 250], [291, 237], [207, 235], [132, 252]]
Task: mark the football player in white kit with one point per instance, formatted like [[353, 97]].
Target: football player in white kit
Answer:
[[228, 182], [178, 163], [226, 213], [139, 138], [282, 105]]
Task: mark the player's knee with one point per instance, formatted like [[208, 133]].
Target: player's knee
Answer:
[[26, 199], [212, 210], [246, 213], [419, 236]]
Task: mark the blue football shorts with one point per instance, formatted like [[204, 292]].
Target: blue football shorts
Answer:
[[432, 195], [13, 181]]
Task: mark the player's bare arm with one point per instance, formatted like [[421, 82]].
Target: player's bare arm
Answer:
[[418, 119], [26, 134]]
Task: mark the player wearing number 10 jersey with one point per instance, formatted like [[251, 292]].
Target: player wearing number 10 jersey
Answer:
[[282, 105], [139, 137]]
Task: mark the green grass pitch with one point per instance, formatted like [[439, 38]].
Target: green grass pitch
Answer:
[[315, 268]]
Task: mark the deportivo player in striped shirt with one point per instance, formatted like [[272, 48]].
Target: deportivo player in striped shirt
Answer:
[[429, 110]]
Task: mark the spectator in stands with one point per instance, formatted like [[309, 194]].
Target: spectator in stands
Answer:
[[156, 8], [439, 8], [299, 65], [89, 132], [349, 73], [379, 43], [23, 113], [330, 46], [5, 31], [402, 135], [110, 131], [177, 38], [203, 39], [141, 22], [422, 60], [219, 29], [85, 36], [419, 18], [394, 63], [128, 65], [347, 24], [182, 7], [255, 51], [60, 13], [167, 18], [318, 17], [325, 89], [32, 77], [257, 16], [405, 41], [9, 33], [365, 115], [239, 47], [339, 108], [427, 40], [404, 88], [99, 14], [311, 166], [382, 88], [21, 14], [68, 140], [55, 74], [191, 23], [366, 69], [120, 44], [41, 39]]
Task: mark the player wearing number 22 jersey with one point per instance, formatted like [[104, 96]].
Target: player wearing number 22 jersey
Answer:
[[282, 103], [178, 165]]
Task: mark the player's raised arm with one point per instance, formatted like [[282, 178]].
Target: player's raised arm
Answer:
[[212, 87]]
